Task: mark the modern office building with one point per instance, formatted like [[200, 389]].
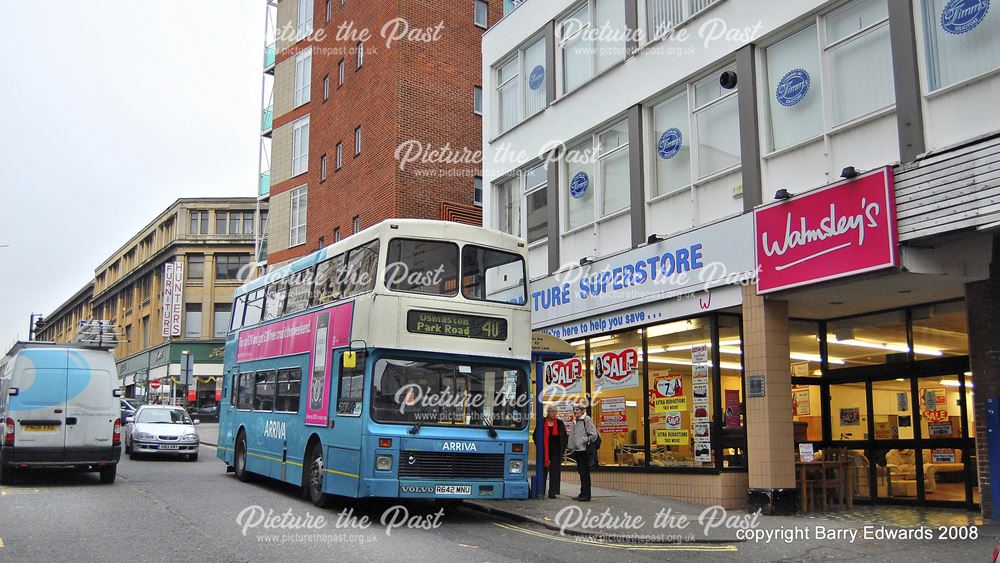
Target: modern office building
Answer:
[[763, 226], [169, 290], [366, 106]]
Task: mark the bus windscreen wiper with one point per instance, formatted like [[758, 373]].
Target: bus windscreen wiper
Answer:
[[489, 424]]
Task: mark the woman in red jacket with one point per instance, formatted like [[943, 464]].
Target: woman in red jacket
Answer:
[[553, 443]]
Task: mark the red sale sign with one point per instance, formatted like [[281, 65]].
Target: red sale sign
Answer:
[[839, 230]]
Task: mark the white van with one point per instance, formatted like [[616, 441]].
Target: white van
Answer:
[[59, 407]]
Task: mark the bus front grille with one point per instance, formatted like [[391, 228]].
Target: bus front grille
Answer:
[[447, 465]]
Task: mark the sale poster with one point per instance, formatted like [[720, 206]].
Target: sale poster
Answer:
[[850, 417], [616, 370], [939, 428], [702, 431], [672, 437], [733, 408], [668, 394], [946, 455], [613, 417], [800, 402], [700, 393], [702, 450], [699, 354], [673, 421], [564, 377]]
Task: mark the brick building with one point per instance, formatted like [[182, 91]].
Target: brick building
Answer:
[[350, 82]]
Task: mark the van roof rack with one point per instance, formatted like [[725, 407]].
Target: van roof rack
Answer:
[[97, 334]]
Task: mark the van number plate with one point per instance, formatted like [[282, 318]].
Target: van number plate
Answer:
[[453, 490], [40, 428]]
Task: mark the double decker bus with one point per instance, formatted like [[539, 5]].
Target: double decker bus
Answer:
[[393, 363]]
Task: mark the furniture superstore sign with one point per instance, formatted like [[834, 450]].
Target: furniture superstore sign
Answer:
[[694, 272]]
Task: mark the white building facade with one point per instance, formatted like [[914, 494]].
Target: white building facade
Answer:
[[640, 145]]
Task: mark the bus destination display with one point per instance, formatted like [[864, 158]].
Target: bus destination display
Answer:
[[451, 324]]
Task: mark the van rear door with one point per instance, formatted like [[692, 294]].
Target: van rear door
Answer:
[[39, 409], [91, 407]]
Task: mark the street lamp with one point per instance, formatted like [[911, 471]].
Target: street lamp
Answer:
[[186, 369], [33, 324]]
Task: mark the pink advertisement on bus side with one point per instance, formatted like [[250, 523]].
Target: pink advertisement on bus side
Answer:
[[316, 333]]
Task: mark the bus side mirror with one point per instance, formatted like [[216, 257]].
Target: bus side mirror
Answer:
[[350, 359]]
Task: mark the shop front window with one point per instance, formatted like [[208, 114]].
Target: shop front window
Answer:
[[940, 407], [849, 411], [617, 397], [872, 340], [941, 329], [946, 473], [563, 384], [732, 404], [803, 341], [680, 393], [807, 416], [893, 410]]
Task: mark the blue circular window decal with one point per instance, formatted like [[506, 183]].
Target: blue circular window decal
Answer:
[[960, 16], [579, 184], [669, 144], [536, 78], [792, 87]]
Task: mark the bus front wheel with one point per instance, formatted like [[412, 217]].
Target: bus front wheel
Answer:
[[314, 478], [240, 459]]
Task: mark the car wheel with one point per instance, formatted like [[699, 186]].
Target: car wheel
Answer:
[[108, 474], [133, 455], [193, 457], [314, 478], [6, 472], [240, 459], [128, 447]]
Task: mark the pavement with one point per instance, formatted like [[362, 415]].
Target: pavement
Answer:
[[208, 433], [644, 527]]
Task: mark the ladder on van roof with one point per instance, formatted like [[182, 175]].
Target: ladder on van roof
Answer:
[[97, 334]]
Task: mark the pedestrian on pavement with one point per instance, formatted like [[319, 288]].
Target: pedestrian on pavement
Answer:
[[553, 443], [581, 436]]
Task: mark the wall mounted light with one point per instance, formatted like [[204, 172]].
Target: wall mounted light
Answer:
[[849, 172], [783, 194], [653, 238], [728, 80], [586, 260]]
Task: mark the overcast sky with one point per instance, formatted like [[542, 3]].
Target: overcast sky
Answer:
[[113, 109]]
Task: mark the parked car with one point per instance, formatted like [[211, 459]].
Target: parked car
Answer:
[[129, 406], [161, 430], [207, 412], [60, 408]]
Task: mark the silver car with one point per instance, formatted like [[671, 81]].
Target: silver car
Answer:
[[161, 430]]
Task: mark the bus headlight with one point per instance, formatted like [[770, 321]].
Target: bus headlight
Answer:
[[383, 462], [516, 466]]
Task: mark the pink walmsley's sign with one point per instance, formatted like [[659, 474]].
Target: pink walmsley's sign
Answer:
[[835, 231], [317, 334]]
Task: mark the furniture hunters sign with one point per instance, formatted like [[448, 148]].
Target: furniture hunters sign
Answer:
[[839, 230], [173, 299]]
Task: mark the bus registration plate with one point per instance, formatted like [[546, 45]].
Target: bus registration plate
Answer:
[[453, 490]]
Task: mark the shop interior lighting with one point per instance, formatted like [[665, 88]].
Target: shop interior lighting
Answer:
[[671, 328], [887, 346], [953, 383]]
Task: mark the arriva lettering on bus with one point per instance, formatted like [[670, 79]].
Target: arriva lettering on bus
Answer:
[[458, 447], [274, 429]]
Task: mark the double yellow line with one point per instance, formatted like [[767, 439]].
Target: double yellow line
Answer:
[[620, 546]]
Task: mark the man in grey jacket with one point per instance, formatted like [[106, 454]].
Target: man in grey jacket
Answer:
[[580, 436]]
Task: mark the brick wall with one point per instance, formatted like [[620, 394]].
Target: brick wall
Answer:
[[409, 90]]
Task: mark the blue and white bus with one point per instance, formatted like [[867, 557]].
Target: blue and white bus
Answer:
[[393, 363]]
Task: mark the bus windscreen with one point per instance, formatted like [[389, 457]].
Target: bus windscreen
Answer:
[[446, 393]]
